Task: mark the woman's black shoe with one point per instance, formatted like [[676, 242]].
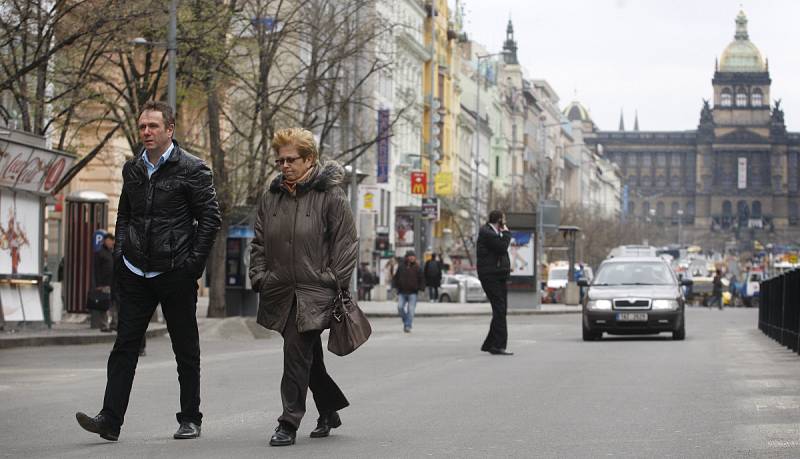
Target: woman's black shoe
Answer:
[[283, 436], [325, 424]]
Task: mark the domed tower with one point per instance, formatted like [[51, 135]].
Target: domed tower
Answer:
[[741, 82]]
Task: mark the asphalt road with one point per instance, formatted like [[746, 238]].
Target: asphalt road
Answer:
[[727, 391]]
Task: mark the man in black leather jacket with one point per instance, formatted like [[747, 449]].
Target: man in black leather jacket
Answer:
[[167, 220], [494, 268]]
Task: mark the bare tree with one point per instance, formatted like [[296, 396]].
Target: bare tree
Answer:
[[46, 50]]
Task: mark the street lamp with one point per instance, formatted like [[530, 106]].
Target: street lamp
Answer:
[[171, 46], [680, 224]]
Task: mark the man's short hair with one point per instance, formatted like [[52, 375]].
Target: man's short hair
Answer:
[[157, 106], [108, 236], [300, 138], [495, 216]]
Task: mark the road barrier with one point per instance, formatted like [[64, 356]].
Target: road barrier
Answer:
[[779, 309]]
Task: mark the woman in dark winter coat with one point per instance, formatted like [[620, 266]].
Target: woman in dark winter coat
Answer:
[[305, 242]]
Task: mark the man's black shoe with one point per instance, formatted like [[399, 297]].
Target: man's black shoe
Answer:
[[496, 351], [99, 424], [187, 431], [325, 424], [283, 436]]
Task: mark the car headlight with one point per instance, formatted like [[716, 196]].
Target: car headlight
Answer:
[[665, 305], [599, 305]]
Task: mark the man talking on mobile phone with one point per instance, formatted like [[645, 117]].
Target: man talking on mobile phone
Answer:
[[494, 268]]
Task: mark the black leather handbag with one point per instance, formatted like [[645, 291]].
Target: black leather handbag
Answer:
[[98, 300], [349, 326]]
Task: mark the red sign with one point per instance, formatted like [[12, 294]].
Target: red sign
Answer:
[[419, 183], [30, 168]]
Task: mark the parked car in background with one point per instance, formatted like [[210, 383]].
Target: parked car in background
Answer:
[[450, 291], [634, 296], [557, 274], [752, 288]]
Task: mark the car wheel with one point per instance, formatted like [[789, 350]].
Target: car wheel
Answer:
[[679, 334], [445, 298], [589, 335]]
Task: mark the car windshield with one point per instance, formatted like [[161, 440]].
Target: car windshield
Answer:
[[634, 273], [558, 274]]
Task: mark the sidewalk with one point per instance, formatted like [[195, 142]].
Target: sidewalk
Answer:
[[71, 333], [64, 333]]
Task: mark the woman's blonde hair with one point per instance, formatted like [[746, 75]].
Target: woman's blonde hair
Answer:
[[300, 138]]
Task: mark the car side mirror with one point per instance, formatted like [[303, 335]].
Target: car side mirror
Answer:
[[687, 282], [583, 283]]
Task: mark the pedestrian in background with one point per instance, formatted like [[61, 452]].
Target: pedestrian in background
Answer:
[[716, 290], [494, 269], [366, 281], [409, 281], [103, 267], [305, 243], [167, 219], [433, 277]]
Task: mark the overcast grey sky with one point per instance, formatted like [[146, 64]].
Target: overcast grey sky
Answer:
[[654, 56]]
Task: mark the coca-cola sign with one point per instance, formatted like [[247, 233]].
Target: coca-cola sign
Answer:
[[29, 168]]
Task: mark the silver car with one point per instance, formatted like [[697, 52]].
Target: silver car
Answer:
[[450, 291]]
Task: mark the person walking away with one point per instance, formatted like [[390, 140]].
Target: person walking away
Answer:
[[408, 280], [433, 277], [716, 292], [167, 219], [494, 269], [305, 244]]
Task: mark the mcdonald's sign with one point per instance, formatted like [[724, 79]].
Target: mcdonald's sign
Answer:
[[419, 183]]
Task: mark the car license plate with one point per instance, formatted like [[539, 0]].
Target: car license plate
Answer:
[[632, 316]]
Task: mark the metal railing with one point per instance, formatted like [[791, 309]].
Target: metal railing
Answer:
[[779, 309]]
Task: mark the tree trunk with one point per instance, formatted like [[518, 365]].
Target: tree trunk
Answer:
[[216, 262]]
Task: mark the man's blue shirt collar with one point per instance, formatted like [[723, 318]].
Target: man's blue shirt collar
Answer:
[[151, 168]]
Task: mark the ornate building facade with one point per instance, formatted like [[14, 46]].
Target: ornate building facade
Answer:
[[735, 176]]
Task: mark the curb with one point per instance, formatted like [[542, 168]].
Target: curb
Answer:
[[72, 339], [511, 312]]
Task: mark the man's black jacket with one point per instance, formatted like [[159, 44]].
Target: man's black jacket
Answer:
[[493, 261], [169, 220]]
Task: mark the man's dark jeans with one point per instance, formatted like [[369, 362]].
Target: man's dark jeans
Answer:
[[497, 291], [176, 291]]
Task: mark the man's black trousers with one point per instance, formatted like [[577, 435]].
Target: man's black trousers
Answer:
[[303, 369], [176, 291], [497, 291]]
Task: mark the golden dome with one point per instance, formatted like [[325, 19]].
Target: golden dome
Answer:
[[575, 111], [741, 55]]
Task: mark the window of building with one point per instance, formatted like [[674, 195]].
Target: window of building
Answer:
[[741, 97], [631, 207], [675, 208], [726, 99], [660, 209], [794, 215], [646, 208], [727, 208], [757, 99], [756, 213], [497, 166], [647, 160]]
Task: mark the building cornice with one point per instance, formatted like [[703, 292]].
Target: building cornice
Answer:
[[413, 45]]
